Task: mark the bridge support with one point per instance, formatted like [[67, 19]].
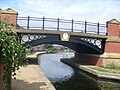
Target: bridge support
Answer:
[[111, 53], [112, 46], [10, 15]]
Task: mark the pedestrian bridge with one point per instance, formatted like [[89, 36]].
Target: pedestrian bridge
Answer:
[[81, 36]]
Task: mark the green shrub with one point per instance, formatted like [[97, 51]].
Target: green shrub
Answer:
[[13, 53]]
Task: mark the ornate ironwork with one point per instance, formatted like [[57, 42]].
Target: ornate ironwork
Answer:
[[29, 37], [93, 41], [76, 41]]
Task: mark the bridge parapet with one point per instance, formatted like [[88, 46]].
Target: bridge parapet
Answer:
[[113, 28], [113, 42], [61, 25], [10, 15]]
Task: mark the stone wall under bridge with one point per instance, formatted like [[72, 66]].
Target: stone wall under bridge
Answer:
[[97, 60]]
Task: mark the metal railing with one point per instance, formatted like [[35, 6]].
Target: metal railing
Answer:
[[60, 25]]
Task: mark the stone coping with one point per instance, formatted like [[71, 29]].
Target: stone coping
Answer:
[[31, 31], [35, 54], [106, 55], [111, 55], [88, 69], [113, 39], [8, 11]]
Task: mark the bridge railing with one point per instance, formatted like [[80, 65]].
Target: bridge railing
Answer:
[[60, 25]]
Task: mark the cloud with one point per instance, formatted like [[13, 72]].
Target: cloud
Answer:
[[90, 10]]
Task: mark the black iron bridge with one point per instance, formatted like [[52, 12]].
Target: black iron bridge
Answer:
[[81, 36]]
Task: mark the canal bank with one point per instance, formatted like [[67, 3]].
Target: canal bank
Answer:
[[108, 74], [31, 77]]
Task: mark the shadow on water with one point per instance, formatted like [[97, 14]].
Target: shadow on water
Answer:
[[84, 81], [77, 82]]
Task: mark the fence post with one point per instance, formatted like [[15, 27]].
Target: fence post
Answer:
[[72, 25], [85, 26], [43, 23], [58, 24], [28, 22], [28, 19], [98, 28]]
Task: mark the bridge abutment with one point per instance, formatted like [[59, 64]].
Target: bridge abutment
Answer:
[[112, 45], [10, 15], [111, 53]]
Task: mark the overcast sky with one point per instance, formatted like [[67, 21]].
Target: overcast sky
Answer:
[[90, 10]]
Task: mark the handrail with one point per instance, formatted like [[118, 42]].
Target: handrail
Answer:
[[60, 24]]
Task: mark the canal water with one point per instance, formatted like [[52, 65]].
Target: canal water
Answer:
[[64, 77]]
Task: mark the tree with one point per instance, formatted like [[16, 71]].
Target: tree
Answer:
[[13, 53], [49, 48]]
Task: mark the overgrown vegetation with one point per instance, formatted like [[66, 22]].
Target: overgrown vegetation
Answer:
[[111, 66], [13, 53]]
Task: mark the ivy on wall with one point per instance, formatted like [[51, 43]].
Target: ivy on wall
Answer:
[[13, 53]]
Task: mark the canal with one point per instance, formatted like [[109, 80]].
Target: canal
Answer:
[[64, 77]]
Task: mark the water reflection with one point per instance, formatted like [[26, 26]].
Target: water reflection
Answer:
[[64, 77], [55, 70]]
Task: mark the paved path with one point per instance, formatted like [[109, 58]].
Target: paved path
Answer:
[[31, 78]]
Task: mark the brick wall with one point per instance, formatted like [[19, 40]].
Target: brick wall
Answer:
[[112, 47], [10, 14], [113, 28], [11, 18]]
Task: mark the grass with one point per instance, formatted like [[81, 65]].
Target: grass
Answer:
[[68, 58], [111, 66], [100, 69]]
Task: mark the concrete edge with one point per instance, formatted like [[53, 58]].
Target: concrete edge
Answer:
[[35, 56], [98, 74]]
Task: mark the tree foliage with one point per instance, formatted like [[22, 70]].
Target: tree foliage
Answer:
[[13, 53]]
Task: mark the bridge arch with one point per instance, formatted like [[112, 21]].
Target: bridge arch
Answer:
[[76, 43]]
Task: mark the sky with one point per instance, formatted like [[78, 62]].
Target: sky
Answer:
[[89, 10]]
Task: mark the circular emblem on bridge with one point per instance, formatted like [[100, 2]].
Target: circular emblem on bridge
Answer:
[[65, 36]]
